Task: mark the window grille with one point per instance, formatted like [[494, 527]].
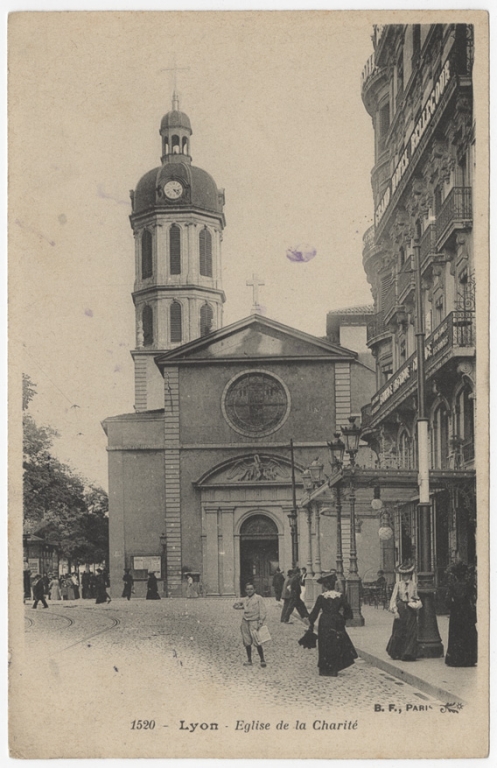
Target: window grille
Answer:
[[175, 317], [147, 268], [175, 250], [205, 246]]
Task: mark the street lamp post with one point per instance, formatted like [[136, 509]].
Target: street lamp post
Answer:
[[352, 435], [292, 517], [163, 543], [337, 450], [429, 640], [308, 485]]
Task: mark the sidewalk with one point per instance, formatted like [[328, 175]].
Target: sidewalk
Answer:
[[432, 676]]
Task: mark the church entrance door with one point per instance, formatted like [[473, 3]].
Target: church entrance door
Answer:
[[258, 553]]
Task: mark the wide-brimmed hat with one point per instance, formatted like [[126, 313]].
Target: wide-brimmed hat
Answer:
[[405, 568], [327, 576]]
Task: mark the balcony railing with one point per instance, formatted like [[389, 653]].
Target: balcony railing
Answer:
[[428, 244], [456, 330], [368, 238], [468, 451], [405, 280], [389, 300], [456, 211], [376, 326]]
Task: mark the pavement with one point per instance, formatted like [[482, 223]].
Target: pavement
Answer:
[[432, 676], [176, 662]]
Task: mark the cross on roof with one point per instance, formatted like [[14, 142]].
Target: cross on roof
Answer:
[[175, 69], [254, 284]]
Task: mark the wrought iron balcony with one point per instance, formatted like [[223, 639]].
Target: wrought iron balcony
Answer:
[[405, 281], [454, 332], [428, 246], [376, 327], [455, 213]]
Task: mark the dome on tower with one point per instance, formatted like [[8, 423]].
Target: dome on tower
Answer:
[[175, 119], [202, 191]]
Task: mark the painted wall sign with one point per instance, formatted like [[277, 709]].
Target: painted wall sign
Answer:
[[414, 140]]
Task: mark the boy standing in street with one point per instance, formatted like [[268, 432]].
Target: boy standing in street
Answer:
[[254, 616]]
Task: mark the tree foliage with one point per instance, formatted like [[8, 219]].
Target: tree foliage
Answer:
[[58, 505]]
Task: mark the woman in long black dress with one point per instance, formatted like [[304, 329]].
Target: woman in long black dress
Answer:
[[403, 643], [462, 648], [335, 647], [152, 590], [101, 595]]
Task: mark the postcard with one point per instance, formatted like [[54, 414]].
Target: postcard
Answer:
[[248, 332]]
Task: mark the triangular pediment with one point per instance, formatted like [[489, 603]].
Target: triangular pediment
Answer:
[[249, 469], [256, 337]]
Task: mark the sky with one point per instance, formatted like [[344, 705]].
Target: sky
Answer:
[[275, 105]]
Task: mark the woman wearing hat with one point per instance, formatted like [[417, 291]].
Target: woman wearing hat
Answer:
[[404, 603], [335, 647]]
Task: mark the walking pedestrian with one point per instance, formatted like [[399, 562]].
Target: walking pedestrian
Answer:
[[278, 581], [101, 595], [27, 581], [254, 616], [404, 604], [75, 584], [335, 648], [286, 595], [39, 592], [152, 588], [190, 586], [295, 597], [128, 584], [462, 648], [303, 576]]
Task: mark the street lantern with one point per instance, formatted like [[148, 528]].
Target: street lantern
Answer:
[[316, 472], [337, 451], [307, 480], [352, 435]]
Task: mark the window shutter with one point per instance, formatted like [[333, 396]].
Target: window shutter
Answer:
[[146, 255], [205, 248], [175, 316], [206, 315], [148, 326], [175, 250]]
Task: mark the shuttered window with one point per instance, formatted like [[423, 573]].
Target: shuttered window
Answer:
[[175, 250], [148, 326], [175, 317], [205, 245], [206, 315], [147, 268]]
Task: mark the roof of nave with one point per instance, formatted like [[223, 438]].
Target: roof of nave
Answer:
[[362, 309]]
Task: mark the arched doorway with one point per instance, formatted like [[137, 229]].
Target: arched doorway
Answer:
[[258, 553]]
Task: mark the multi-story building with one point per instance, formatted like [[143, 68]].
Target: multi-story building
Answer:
[[417, 87]]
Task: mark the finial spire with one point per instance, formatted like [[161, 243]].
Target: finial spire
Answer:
[[175, 101]]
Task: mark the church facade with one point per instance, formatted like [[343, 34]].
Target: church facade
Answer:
[[200, 474]]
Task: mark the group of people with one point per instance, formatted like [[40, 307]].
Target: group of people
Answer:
[[462, 646], [67, 586], [335, 648]]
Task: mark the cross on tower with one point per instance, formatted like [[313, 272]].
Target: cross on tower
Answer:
[[175, 69], [255, 283]]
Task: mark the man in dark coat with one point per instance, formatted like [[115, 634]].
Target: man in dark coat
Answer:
[[295, 599], [85, 585], [278, 581], [128, 584], [39, 592]]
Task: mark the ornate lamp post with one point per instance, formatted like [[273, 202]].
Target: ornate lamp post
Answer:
[[337, 450], [430, 642], [292, 517], [308, 485], [316, 470], [352, 436]]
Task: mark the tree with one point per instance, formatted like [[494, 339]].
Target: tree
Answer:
[[59, 505]]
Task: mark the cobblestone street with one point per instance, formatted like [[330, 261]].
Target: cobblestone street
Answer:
[[180, 661]]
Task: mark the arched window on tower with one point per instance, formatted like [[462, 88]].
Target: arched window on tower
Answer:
[[176, 145], [175, 318], [175, 250], [166, 145], [148, 326], [205, 247], [185, 145], [206, 316], [147, 265]]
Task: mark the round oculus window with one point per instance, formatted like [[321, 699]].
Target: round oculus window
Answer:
[[256, 403]]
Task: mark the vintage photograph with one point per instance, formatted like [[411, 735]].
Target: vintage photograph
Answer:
[[248, 299]]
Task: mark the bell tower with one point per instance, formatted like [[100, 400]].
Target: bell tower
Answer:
[[177, 220]]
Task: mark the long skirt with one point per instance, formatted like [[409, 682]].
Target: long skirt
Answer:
[[335, 648], [462, 648], [55, 593], [403, 643]]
